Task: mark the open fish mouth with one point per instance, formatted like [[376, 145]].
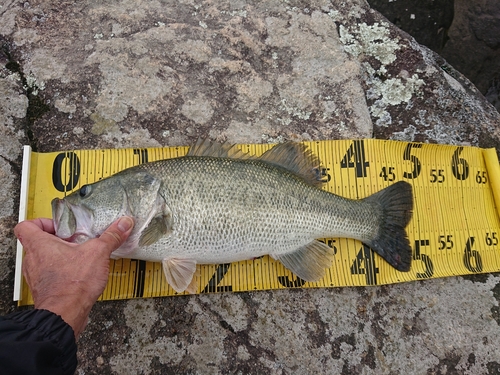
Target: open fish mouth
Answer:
[[71, 223]]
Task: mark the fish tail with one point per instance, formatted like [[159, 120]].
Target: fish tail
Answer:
[[391, 241]]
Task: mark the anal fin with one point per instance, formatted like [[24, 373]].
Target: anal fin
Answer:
[[308, 262], [180, 274]]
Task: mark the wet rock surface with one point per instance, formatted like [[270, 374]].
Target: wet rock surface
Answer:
[[428, 21], [135, 74], [474, 45], [465, 33]]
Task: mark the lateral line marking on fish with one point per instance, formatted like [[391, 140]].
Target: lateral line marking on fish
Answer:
[[455, 227]]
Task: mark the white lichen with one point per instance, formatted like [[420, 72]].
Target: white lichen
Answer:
[[383, 117], [334, 14], [235, 13], [269, 139], [295, 112], [389, 91], [33, 84], [371, 40], [78, 131], [385, 90], [394, 91], [407, 135], [14, 77]]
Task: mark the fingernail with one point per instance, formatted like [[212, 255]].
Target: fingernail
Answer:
[[125, 223]]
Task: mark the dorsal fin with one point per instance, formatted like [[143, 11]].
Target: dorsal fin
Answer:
[[296, 158], [205, 147]]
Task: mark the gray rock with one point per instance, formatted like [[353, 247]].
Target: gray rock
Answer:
[[465, 33], [13, 108], [474, 44], [123, 74], [427, 21]]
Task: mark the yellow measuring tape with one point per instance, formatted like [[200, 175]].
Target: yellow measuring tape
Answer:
[[455, 229]]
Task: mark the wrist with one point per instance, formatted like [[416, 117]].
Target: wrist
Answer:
[[73, 309]]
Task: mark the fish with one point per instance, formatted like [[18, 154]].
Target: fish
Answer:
[[218, 205]]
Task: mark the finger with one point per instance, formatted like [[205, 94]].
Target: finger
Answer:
[[115, 235], [31, 230], [47, 225]]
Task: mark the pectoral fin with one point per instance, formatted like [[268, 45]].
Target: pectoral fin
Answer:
[[160, 226], [180, 274], [309, 261]]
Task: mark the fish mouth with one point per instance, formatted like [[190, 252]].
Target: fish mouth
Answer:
[[71, 223]]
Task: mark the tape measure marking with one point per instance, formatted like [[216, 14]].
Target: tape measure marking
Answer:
[[455, 228]]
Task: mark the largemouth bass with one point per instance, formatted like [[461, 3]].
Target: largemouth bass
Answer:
[[219, 205]]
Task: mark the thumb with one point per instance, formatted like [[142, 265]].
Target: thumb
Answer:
[[116, 234], [30, 231]]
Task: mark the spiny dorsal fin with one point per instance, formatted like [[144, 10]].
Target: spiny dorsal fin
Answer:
[[205, 147], [296, 158]]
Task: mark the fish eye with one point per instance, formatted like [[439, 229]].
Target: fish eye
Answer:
[[85, 191]]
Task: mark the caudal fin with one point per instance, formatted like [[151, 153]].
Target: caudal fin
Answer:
[[391, 242]]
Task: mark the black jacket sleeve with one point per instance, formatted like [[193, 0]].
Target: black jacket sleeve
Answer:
[[36, 342]]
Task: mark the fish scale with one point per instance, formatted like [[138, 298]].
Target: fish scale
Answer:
[[218, 205], [219, 210]]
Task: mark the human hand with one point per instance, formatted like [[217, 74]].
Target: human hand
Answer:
[[68, 278]]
